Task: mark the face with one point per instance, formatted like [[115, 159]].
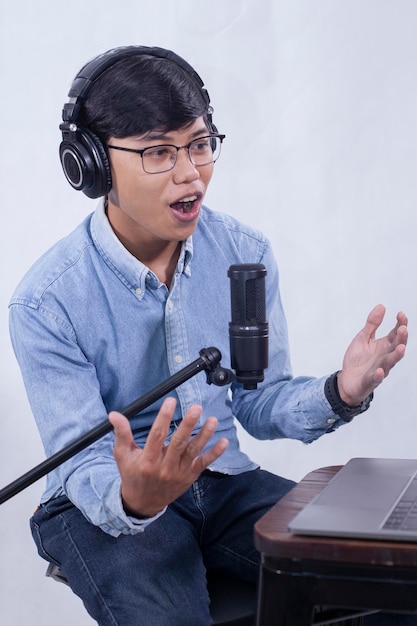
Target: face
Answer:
[[154, 209]]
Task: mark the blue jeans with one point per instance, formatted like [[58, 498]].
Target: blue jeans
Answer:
[[158, 577]]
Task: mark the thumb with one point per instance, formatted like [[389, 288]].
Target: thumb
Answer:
[[123, 437]]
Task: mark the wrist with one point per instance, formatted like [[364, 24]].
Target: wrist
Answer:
[[343, 409], [137, 513], [352, 401]]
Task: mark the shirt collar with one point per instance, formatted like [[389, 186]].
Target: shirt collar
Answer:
[[127, 267]]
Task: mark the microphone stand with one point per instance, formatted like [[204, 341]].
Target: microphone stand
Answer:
[[208, 361]]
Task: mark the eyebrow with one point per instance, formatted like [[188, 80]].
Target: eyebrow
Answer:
[[162, 136]]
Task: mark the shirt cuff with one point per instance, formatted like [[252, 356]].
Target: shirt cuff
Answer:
[[118, 520]]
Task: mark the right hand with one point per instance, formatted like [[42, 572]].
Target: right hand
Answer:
[[157, 474]]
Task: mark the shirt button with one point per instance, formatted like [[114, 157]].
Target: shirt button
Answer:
[[170, 304], [138, 291], [331, 420], [178, 358]]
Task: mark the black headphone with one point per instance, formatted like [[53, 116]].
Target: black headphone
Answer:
[[82, 154]]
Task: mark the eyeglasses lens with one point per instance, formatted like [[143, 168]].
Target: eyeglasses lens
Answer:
[[202, 151]]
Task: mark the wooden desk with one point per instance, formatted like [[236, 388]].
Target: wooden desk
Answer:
[[315, 580]]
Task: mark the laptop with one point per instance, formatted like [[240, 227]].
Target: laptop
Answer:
[[369, 498]]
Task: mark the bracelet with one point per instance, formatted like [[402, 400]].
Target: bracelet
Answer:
[[338, 406]]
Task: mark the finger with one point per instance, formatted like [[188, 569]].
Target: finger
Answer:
[[200, 441], [374, 321], [203, 461], [123, 438], [159, 430], [402, 319], [392, 358], [378, 377], [399, 323], [121, 426], [399, 334], [181, 437]]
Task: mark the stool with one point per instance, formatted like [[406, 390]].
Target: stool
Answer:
[[233, 602]]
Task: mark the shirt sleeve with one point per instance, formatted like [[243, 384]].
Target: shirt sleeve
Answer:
[[65, 399], [117, 517], [283, 406]]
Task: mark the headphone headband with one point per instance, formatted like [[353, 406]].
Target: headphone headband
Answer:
[[89, 73], [83, 156]]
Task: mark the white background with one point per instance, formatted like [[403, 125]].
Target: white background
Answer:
[[318, 99]]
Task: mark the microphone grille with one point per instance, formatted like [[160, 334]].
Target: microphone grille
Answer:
[[247, 293], [255, 301]]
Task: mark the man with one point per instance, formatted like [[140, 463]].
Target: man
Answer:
[[123, 302]]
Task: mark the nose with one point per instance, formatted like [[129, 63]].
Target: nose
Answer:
[[184, 170]]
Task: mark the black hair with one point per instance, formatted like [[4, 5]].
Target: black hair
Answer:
[[139, 94]]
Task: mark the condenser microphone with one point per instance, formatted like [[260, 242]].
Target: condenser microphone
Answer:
[[248, 330]]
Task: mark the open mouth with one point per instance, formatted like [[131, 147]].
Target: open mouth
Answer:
[[185, 205]]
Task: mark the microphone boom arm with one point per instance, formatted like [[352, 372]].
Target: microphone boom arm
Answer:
[[208, 361]]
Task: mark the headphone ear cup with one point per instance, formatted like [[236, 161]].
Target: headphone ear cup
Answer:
[[85, 163]]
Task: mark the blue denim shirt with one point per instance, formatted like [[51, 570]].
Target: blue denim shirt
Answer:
[[93, 329]]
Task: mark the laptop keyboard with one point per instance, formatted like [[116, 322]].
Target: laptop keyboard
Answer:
[[404, 514]]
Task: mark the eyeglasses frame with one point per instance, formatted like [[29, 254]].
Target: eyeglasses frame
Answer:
[[170, 145]]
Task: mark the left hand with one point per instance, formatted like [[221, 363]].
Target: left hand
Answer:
[[367, 360]]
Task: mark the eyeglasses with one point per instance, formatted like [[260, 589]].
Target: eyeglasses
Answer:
[[158, 159]]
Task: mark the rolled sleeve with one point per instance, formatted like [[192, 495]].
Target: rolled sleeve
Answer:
[[118, 521]]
